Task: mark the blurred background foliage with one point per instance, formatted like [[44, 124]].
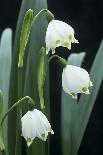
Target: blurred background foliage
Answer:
[[87, 19]]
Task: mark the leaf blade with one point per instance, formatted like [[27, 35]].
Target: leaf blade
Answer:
[[96, 75], [69, 109]]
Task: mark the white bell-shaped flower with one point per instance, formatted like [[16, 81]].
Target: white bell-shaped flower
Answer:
[[75, 80], [59, 34], [35, 124]]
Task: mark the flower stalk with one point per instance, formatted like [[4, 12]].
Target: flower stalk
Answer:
[[19, 113], [29, 100], [49, 15], [62, 62]]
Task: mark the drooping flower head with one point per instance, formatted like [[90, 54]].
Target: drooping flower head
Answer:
[[75, 80], [35, 124], [59, 34]]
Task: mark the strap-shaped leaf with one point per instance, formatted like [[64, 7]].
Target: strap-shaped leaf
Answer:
[[69, 112], [5, 68], [25, 32], [41, 71], [86, 102]]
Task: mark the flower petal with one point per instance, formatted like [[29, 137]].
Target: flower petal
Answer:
[[59, 34], [35, 124], [75, 80]]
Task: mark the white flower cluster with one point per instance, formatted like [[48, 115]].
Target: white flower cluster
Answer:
[[74, 80]]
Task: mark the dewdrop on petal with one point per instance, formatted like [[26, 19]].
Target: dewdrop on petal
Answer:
[[75, 80], [59, 34], [35, 124]]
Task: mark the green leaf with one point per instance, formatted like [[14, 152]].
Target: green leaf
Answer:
[[41, 71], [69, 112], [5, 67], [25, 31], [86, 103]]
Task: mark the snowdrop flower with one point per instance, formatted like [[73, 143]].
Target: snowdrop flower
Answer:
[[59, 34], [35, 124], [75, 80]]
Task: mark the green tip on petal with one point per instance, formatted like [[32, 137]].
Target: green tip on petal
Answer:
[[74, 96], [76, 41], [51, 131], [85, 90], [43, 137], [29, 141], [58, 42], [90, 84]]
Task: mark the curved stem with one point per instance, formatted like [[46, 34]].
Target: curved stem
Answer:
[[61, 60], [54, 56], [18, 146], [16, 104], [41, 11]]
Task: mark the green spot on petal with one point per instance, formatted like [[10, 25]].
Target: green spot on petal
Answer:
[[43, 137], [84, 89], [58, 42], [66, 44], [70, 37]]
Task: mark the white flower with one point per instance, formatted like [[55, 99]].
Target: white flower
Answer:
[[59, 34], [35, 124], [75, 80]]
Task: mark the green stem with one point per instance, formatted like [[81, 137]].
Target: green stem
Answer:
[[61, 61], [40, 12], [16, 104], [49, 14], [19, 113]]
